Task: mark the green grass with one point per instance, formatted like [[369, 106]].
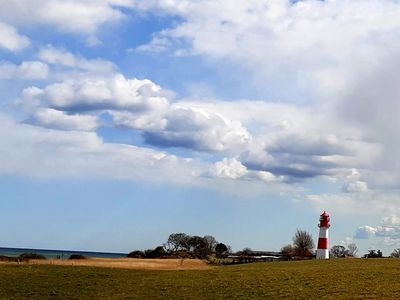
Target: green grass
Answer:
[[334, 279]]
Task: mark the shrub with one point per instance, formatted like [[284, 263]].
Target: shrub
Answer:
[[221, 249], [7, 258], [136, 254], [158, 252], [31, 256], [288, 251], [77, 256]]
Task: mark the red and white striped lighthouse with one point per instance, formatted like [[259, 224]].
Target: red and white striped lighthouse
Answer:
[[323, 244]]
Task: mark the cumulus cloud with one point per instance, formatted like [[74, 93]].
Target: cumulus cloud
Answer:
[[281, 140], [275, 37], [365, 232], [26, 70], [355, 187], [316, 49], [11, 39], [354, 184], [48, 153], [72, 16], [56, 56], [192, 128], [198, 129], [389, 230], [152, 120], [312, 52], [55, 119], [232, 168], [97, 93], [295, 141]]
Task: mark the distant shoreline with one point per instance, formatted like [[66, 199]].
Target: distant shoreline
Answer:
[[57, 253]]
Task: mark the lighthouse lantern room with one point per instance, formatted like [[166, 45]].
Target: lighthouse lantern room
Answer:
[[323, 240]]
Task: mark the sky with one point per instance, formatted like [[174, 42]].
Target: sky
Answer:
[[122, 121]]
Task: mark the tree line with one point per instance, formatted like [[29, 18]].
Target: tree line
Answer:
[[303, 247], [182, 245]]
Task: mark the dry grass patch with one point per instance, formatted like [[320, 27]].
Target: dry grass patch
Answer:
[[129, 263]]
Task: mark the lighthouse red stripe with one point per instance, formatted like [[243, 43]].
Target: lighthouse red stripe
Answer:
[[322, 243]]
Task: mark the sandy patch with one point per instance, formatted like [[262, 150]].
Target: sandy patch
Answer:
[[130, 263]]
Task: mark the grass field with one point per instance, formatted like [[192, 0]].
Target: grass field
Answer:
[[129, 263], [334, 279]]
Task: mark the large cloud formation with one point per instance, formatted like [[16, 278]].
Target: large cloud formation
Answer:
[[333, 62], [336, 54]]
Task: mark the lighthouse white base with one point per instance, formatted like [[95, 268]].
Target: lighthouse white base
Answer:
[[322, 254]]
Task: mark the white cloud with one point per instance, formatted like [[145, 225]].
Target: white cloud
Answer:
[[26, 70], [56, 56], [231, 168], [158, 44], [45, 153], [199, 129], [296, 141], [72, 16], [98, 92], [152, 120], [365, 232], [59, 120], [389, 231], [339, 56], [314, 40], [392, 220], [355, 187], [317, 49], [11, 39]]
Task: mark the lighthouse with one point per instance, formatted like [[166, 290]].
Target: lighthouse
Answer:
[[323, 244]]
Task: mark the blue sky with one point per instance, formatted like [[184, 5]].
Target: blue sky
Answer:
[[246, 121]]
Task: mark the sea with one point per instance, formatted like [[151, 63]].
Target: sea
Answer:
[[57, 254]]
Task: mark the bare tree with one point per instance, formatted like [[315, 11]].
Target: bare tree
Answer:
[[352, 250], [303, 243], [338, 251], [395, 253], [199, 247], [211, 242], [178, 242], [287, 250]]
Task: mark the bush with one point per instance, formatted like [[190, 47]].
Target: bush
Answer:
[[7, 258], [158, 252], [31, 256], [374, 254], [221, 249], [136, 254], [77, 256], [287, 251]]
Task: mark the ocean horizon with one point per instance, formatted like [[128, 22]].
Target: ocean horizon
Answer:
[[58, 253]]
